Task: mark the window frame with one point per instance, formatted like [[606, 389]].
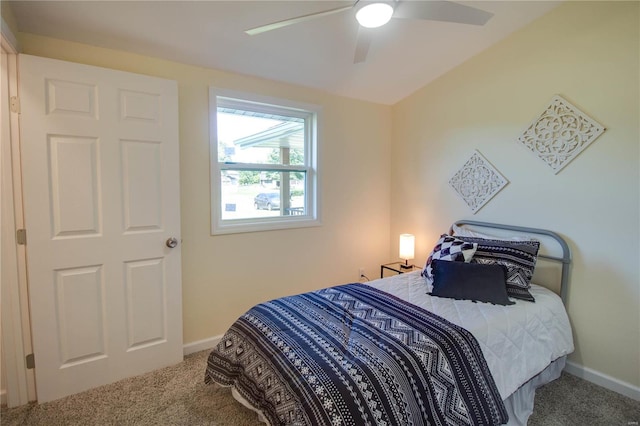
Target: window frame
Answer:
[[267, 104]]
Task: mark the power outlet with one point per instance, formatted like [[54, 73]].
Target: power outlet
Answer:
[[361, 273]]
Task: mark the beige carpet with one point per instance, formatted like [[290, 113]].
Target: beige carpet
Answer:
[[177, 395], [174, 395]]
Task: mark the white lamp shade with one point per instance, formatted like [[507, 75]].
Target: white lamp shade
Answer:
[[374, 15], [407, 246]]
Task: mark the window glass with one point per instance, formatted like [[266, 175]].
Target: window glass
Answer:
[[251, 194], [258, 138]]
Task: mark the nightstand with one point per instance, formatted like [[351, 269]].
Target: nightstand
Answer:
[[397, 268]]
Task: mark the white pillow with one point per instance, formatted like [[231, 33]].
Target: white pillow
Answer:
[[462, 231]]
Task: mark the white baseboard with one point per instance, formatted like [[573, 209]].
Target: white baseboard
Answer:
[[200, 345], [601, 379]]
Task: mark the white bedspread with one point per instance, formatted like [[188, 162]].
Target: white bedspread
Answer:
[[518, 341]]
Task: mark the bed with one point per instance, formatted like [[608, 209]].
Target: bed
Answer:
[[386, 352]]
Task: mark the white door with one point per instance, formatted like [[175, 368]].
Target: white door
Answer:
[[101, 195]]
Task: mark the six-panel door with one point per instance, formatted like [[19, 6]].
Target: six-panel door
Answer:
[[101, 192]]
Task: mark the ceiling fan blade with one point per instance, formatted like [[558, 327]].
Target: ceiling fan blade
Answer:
[[362, 44], [287, 22], [441, 11]]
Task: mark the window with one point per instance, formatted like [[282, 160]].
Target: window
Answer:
[[263, 163]]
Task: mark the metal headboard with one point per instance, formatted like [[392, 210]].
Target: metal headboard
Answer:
[[565, 259]]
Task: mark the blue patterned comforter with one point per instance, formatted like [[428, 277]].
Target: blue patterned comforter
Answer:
[[355, 355]]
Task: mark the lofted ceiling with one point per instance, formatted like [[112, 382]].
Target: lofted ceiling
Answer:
[[404, 55]]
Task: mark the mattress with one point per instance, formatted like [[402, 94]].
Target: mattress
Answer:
[[518, 341]]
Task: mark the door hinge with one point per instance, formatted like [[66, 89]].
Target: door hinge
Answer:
[[14, 104], [31, 361], [21, 237]]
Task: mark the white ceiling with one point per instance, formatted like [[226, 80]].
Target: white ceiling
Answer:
[[404, 54]]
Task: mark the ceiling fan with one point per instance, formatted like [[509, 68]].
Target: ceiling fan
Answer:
[[434, 10]]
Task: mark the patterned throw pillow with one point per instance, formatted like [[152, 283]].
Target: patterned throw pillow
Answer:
[[451, 249], [518, 256]]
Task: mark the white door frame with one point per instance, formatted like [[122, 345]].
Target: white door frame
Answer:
[[16, 328]]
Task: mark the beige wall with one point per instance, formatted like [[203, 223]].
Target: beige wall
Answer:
[[587, 52], [223, 276]]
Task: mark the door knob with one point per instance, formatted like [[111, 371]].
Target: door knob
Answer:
[[172, 242]]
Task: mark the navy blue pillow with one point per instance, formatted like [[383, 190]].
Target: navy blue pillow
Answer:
[[470, 281]]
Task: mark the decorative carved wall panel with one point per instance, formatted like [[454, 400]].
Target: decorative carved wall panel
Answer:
[[560, 133], [477, 181]]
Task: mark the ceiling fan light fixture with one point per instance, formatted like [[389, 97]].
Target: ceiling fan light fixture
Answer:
[[374, 15]]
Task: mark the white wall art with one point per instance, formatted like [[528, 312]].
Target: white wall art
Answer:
[[477, 181], [560, 133]]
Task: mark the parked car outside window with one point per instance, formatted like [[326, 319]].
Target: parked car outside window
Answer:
[[267, 200]]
